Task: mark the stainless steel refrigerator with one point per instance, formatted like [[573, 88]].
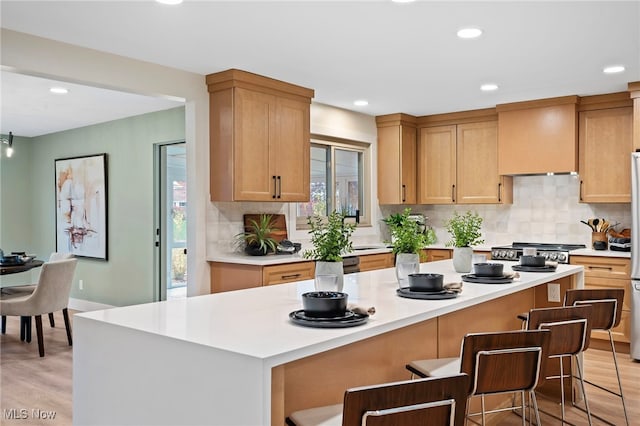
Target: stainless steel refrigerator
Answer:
[[635, 255]]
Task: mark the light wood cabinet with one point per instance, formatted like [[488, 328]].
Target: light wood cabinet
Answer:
[[259, 138], [606, 141], [538, 136], [237, 276], [396, 159], [609, 272], [433, 255], [458, 164], [372, 262]]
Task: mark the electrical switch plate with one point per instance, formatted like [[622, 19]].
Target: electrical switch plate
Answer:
[[81, 284], [553, 292]]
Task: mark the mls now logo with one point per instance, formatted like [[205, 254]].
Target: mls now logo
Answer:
[[15, 413]]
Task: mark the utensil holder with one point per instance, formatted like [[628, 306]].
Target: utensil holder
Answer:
[[599, 240]]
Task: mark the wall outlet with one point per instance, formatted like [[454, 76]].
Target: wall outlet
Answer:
[[553, 292], [81, 284]]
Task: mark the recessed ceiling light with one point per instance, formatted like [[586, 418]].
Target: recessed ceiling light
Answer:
[[172, 2], [59, 90], [403, 1], [613, 69], [361, 102], [489, 87], [469, 33]]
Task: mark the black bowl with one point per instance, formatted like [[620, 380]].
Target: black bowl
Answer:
[[425, 282], [324, 304], [488, 269], [532, 260]]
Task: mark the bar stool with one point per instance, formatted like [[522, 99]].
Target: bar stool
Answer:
[[500, 362], [605, 315], [432, 401], [570, 328]]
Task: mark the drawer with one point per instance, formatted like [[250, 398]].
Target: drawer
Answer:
[[595, 282], [433, 255], [604, 267], [289, 272], [376, 261]]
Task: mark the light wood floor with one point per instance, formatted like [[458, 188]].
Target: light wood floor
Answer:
[[30, 383]]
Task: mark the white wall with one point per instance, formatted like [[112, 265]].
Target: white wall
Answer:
[[60, 61]]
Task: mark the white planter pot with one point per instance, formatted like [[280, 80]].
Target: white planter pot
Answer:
[[462, 259], [406, 263], [329, 276]]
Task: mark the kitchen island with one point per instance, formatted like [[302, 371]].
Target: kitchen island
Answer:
[[234, 358]]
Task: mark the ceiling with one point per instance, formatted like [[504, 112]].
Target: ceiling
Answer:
[[399, 57]]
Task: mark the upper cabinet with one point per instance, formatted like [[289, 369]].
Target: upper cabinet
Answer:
[[606, 141], [539, 136], [259, 138], [458, 161], [396, 159]]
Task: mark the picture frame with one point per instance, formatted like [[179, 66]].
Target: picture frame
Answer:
[[81, 206]]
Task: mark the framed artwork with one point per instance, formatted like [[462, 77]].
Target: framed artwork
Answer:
[[81, 206]]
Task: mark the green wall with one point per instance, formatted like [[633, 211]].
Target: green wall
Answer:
[[28, 212]]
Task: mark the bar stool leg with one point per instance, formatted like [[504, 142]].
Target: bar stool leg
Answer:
[[615, 362], [562, 388], [483, 410], [535, 407], [586, 401]]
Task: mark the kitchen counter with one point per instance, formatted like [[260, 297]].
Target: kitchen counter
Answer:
[[601, 253], [230, 358]]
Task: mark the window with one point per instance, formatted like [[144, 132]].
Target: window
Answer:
[[338, 181]]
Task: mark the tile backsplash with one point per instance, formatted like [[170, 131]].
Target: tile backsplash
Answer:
[[545, 209]]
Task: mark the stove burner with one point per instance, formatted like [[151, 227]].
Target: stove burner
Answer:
[[551, 251]]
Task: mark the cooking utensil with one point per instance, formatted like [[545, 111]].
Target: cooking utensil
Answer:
[[589, 225]]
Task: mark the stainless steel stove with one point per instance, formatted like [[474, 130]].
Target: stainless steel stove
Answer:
[[555, 252]]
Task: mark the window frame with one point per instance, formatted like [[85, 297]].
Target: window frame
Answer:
[[365, 174]]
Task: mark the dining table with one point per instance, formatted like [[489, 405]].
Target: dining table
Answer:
[[6, 269]]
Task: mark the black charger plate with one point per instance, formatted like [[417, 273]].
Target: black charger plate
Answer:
[[426, 295], [349, 319], [472, 278], [524, 268]]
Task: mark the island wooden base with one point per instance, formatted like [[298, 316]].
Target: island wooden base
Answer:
[[322, 379]]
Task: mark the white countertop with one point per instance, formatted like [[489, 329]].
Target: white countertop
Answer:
[[255, 323], [601, 253]]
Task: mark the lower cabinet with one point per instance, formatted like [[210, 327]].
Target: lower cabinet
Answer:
[[236, 276], [609, 272], [432, 255], [371, 262]]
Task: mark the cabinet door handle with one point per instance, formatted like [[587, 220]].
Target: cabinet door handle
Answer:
[[279, 186], [499, 192], [404, 193], [606, 268], [453, 193], [288, 277], [275, 191], [581, 182]]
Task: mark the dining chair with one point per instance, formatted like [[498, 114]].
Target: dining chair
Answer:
[[433, 401], [606, 314], [50, 295], [498, 362], [23, 290], [570, 328]]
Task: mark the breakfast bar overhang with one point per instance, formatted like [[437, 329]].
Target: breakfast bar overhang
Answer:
[[235, 358]]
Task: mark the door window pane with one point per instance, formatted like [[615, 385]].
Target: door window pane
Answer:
[[348, 181]]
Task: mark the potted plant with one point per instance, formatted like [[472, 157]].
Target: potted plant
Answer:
[[407, 241], [465, 233], [331, 238], [257, 239]]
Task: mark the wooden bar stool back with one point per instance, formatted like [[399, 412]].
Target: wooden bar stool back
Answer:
[[570, 328], [439, 401], [500, 362], [605, 315]]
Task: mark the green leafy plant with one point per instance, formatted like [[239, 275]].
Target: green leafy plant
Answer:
[[258, 240], [464, 229], [405, 233], [330, 236]]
